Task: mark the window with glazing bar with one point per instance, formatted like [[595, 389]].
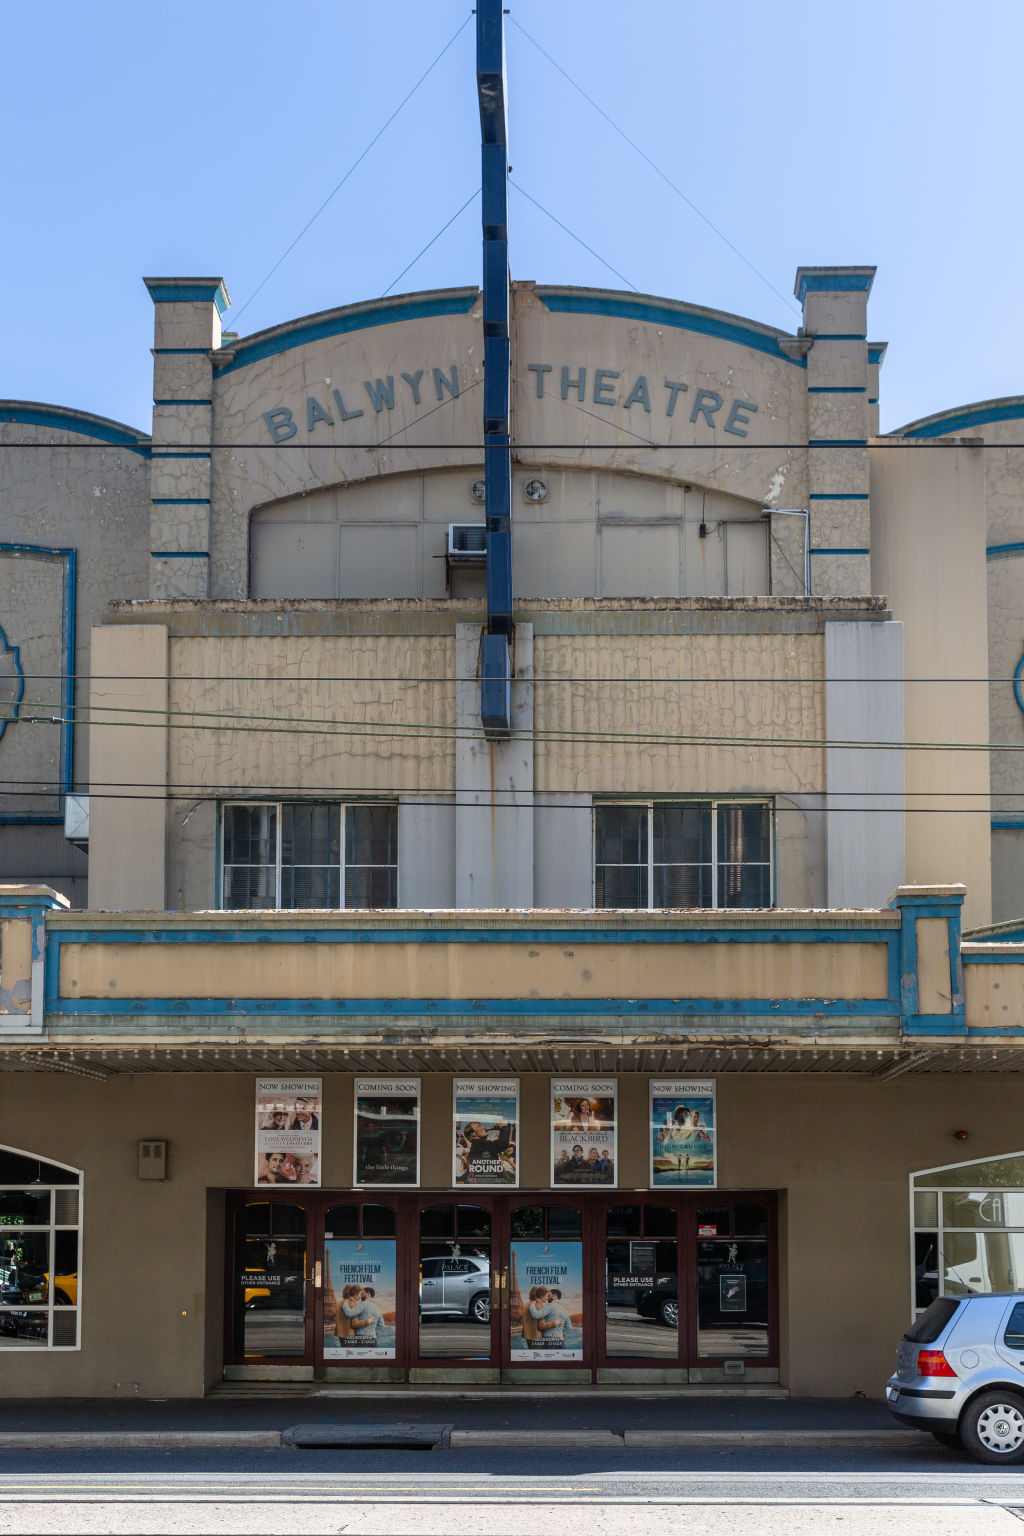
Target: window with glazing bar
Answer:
[[700, 853], [309, 853]]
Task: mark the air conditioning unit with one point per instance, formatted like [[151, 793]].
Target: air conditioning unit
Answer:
[[467, 544]]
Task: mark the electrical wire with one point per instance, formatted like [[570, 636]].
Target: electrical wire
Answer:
[[520, 445], [656, 168], [572, 235], [237, 314], [426, 248]]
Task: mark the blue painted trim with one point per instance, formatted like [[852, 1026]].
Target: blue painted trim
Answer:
[[833, 282], [441, 1007], [1002, 551], [182, 402], [956, 971], [837, 442], [836, 389], [1008, 823], [69, 597], [969, 416], [71, 421], [850, 551], [934, 1024], [179, 554], [189, 293], [839, 496], [485, 935], [180, 501], [622, 307], [876, 354], [389, 313], [1017, 673], [995, 958], [980, 1031], [19, 672], [872, 399]]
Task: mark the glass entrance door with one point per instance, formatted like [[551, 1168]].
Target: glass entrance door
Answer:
[[461, 1285]]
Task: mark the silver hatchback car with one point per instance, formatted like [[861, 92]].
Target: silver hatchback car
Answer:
[[960, 1375]]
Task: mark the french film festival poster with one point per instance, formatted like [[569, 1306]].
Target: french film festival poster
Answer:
[[485, 1151], [360, 1299], [583, 1145], [288, 1130], [546, 1302], [683, 1134], [387, 1131]]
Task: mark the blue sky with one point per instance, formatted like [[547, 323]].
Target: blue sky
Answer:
[[199, 139]]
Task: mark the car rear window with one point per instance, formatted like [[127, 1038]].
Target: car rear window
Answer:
[[931, 1322], [1013, 1338]]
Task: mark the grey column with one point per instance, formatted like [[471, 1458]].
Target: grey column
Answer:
[[865, 785], [493, 783]]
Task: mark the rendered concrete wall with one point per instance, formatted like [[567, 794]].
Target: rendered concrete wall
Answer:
[[927, 500], [864, 702], [129, 722], [845, 1205], [67, 494]]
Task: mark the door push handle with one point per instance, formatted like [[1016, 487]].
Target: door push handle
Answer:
[[318, 1274]]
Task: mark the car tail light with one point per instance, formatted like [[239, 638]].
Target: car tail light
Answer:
[[932, 1362]]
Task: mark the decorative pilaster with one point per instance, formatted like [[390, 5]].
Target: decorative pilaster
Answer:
[[834, 301], [187, 330]]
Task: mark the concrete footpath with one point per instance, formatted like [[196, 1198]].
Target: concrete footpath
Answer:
[[427, 1421]]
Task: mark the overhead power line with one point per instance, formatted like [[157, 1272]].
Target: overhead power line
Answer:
[[571, 233], [395, 281]]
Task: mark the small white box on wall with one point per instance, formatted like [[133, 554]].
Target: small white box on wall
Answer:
[[152, 1159]]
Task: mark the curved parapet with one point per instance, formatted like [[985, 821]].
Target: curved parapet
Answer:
[[60, 418]]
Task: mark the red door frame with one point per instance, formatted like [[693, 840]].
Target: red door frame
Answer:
[[408, 1204]]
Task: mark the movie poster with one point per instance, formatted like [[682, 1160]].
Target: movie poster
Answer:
[[360, 1300], [583, 1131], [546, 1302], [287, 1130], [387, 1131], [683, 1129], [486, 1122]]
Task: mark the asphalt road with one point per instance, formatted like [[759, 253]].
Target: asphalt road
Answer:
[[920, 1491]]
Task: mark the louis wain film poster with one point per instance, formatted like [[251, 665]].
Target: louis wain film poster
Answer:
[[683, 1130], [288, 1130], [583, 1132], [360, 1300], [387, 1131], [485, 1151]]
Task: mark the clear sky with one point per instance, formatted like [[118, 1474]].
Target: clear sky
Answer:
[[198, 139]]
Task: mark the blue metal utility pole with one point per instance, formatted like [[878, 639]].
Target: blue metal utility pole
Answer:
[[495, 652]]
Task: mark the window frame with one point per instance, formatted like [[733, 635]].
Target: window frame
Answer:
[[51, 1228], [344, 806], [651, 803]]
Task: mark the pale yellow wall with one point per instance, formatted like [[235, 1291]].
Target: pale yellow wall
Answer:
[[933, 977], [16, 966], [644, 706], [928, 558], [492, 970], [128, 715], [365, 713], [844, 1213], [994, 994]]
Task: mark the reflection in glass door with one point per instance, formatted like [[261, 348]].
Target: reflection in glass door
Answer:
[[455, 1282], [269, 1280], [733, 1290], [641, 1268]]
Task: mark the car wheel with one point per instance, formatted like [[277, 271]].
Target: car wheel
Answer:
[[668, 1312], [480, 1308], [992, 1428]]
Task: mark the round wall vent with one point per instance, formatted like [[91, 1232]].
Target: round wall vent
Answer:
[[536, 490]]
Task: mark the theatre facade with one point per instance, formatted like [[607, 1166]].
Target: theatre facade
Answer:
[[348, 1039]]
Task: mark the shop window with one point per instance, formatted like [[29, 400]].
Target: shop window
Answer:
[[40, 1223], [968, 1229], [309, 854], [702, 853]]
